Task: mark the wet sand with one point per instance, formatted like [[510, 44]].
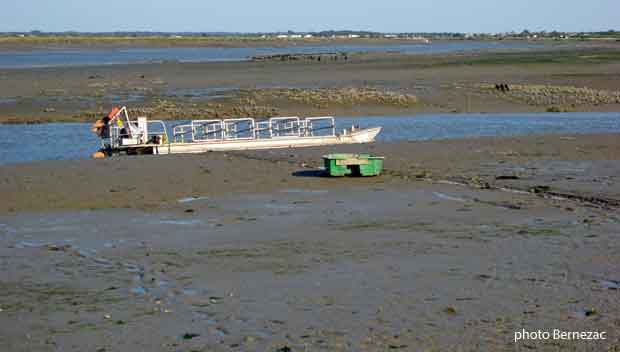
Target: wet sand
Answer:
[[550, 79], [457, 246]]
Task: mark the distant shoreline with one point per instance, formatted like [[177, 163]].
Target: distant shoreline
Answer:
[[43, 42], [28, 43]]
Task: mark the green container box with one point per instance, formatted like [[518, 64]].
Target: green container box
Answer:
[[353, 164]]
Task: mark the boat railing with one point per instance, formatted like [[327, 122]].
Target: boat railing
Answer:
[[157, 132], [312, 126], [248, 128], [242, 128], [263, 129], [207, 130], [181, 132], [131, 134], [110, 137], [285, 126]]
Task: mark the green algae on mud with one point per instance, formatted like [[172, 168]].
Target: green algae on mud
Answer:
[[557, 98], [259, 103], [562, 56]]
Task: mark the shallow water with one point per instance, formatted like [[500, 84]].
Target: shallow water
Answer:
[[55, 141], [454, 126], [58, 141], [78, 57]]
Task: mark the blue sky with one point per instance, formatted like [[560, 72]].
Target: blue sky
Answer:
[[309, 15]]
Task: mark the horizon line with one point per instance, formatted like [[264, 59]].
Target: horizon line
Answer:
[[38, 31]]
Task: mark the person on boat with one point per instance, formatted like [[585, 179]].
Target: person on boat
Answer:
[[102, 126]]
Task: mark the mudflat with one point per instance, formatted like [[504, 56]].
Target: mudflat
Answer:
[[458, 245], [568, 76], [145, 182]]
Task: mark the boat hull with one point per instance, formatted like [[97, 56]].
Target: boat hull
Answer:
[[366, 135]]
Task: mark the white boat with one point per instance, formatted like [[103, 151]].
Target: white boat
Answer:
[[120, 134]]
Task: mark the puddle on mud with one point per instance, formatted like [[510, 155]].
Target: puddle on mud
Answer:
[[163, 284], [304, 191], [103, 262], [8, 230], [205, 317], [583, 313], [190, 222], [129, 98], [610, 284], [199, 93], [189, 292], [219, 332], [7, 100], [85, 253], [50, 227], [28, 244], [449, 197], [114, 244], [132, 268], [515, 191], [191, 199], [138, 291], [279, 206]]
